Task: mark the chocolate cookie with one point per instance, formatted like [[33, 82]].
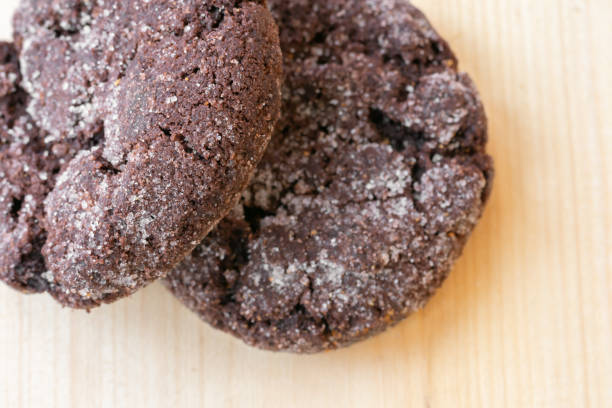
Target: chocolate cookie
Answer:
[[171, 104], [376, 175]]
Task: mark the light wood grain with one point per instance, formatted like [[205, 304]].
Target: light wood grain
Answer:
[[524, 320]]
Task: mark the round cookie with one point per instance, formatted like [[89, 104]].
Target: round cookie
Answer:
[[172, 103], [375, 177]]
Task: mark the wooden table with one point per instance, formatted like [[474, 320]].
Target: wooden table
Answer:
[[525, 319]]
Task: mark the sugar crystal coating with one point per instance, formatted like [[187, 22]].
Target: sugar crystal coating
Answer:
[[374, 179]]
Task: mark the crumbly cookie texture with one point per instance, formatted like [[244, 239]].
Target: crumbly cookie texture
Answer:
[[375, 177], [28, 167], [169, 105]]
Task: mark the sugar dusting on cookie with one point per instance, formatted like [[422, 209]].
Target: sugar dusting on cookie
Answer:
[[375, 177]]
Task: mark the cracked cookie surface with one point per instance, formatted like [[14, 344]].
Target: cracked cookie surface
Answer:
[[171, 105], [28, 167], [375, 177]]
